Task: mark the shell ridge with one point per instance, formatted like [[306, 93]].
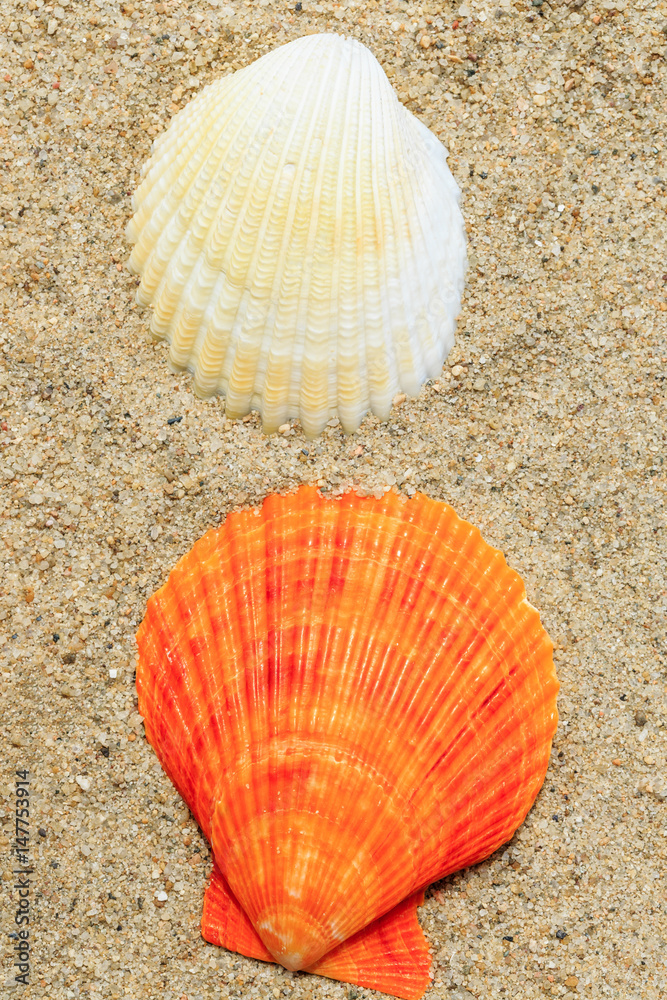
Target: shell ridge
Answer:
[[182, 769], [234, 805], [370, 358], [384, 207], [343, 790], [357, 858], [410, 275], [327, 253], [438, 253], [389, 955], [178, 712], [239, 395], [258, 905], [347, 274], [200, 262], [362, 692], [295, 402], [394, 584], [344, 125], [324, 522], [231, 636], [225, 923], [186, 156], [421, 223], [178, 143], [446, 258], [207, 736], [285, 354], [195, 634], [402, 273], [166, 141], [282, 589], [201, 187]]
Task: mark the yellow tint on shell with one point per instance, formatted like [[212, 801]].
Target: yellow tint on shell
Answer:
[[298, 235]]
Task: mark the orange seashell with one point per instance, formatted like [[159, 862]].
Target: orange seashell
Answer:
[[355, 698]]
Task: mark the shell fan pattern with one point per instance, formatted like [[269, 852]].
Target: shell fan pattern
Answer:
[[355, 698], [298, 234]]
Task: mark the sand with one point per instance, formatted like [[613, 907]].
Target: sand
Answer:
[[546, 429]]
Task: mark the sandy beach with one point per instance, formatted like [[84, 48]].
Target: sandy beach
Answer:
[[546, 429]]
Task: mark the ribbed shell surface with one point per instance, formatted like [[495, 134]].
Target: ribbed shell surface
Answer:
[[354, 697], [298, 234]]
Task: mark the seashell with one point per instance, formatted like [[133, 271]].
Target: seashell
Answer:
[[298, 234], [355, 698]]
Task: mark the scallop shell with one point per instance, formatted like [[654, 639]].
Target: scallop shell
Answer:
[[298, 235], [355, 698]]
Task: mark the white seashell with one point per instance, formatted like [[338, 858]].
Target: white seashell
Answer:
[[298, 235]]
